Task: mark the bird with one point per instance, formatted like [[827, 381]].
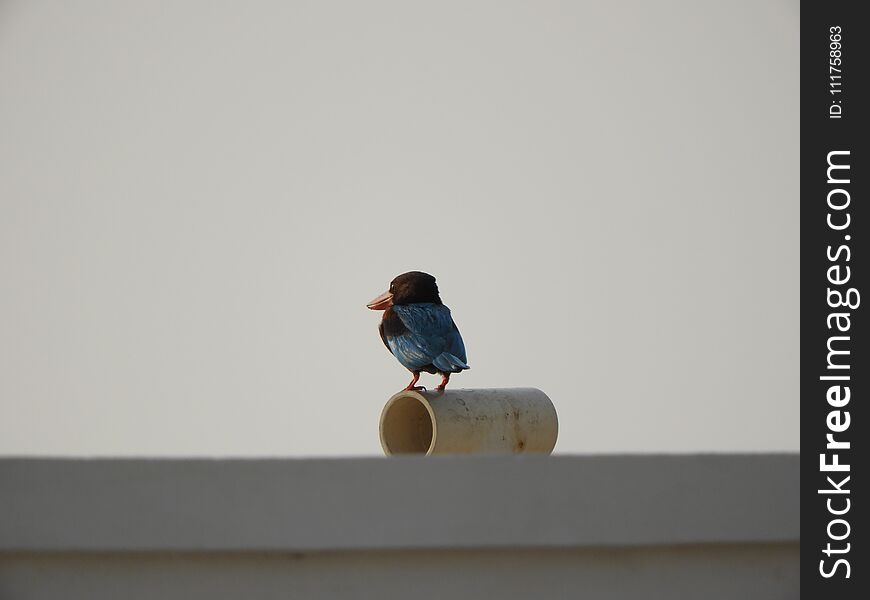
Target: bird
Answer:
[[418, 329]]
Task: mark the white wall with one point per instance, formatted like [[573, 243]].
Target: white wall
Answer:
[[724, 526], [197, 199], [766, 572]]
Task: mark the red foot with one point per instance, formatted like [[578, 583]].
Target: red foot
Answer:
[[412, 386], [445, 377]]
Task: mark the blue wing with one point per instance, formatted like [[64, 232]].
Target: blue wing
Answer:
[[431, 338]]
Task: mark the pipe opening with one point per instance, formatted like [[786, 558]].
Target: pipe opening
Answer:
[[407, 427]]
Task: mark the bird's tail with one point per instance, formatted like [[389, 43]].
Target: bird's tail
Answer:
[[449, 363]]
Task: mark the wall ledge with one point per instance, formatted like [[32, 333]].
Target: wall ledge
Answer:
[[309, 505]]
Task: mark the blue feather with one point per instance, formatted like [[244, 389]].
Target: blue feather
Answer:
[[431, 339]]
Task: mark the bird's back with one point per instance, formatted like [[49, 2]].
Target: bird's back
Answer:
[[424, 334]]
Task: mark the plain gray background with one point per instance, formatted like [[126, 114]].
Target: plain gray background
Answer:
[[197, 199]]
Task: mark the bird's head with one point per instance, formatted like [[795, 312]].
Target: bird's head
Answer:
[[408, 288]]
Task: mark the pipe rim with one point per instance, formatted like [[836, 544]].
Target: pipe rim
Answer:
[[421, 399]]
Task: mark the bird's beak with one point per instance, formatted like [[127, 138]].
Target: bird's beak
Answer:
[[382, 302]]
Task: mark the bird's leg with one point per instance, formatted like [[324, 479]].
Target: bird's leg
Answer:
[[412, 386], [445, 377]]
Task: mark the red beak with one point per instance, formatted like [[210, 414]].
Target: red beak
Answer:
[[382, 302]]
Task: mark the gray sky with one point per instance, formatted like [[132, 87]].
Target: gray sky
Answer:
[[197, 199]]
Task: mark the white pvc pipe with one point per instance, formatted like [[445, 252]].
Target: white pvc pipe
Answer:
[[485, 421]]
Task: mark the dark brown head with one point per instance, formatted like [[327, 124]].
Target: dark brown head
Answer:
[[408, 288]]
